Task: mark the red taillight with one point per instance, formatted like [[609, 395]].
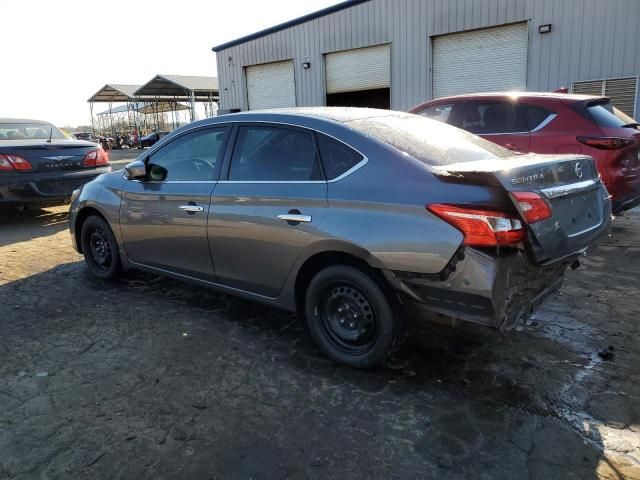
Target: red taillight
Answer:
[[14, 162], [481, 228], [606, 143], [533, 207], [96, 158]]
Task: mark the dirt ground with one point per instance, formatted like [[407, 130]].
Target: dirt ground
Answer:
[[149, 378]]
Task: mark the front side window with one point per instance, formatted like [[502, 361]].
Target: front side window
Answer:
[[337, 158], [491, 118], [442, 112], [195, 156], [266, 153]]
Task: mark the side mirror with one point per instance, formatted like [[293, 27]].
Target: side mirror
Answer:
[[157, 173], [136, 170]]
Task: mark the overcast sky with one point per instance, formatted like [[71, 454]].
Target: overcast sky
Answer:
[[56, 54]]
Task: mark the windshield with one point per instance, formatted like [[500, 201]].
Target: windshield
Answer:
[[429, 141], [29, 131]]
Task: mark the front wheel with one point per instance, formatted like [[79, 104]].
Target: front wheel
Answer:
[[100, 248], [351, 318]]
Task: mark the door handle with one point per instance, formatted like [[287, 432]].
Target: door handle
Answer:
[[511, 146], [191, 209], [295, 218]]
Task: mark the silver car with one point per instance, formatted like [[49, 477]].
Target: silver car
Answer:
[[357, 219]]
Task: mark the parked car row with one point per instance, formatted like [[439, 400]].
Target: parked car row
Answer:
[[357, 219]]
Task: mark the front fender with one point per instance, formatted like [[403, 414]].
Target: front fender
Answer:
[[101, 196]]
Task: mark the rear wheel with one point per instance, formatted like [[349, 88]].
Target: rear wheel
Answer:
[[100, 248], [351, 318]]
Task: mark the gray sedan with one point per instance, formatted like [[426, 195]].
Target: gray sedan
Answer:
[[357, 219]]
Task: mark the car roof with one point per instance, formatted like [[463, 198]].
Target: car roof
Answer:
[[523, 95], [22, 120], [335, 114]]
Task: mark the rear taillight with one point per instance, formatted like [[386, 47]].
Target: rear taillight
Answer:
[[606, 143], [481, 228], [533, 207], [96, 158], [14, 162]]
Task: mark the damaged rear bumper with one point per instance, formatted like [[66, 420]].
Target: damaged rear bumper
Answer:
[[495, 290]]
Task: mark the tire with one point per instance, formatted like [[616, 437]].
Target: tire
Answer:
[[100, 248], [351, 318]]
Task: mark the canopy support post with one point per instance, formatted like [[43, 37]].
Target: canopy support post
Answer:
[[93, 128], [193, 105]]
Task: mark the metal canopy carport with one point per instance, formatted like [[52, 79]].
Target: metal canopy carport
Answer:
[[114, 93], [182, 88], [147, 108], [155, 109]]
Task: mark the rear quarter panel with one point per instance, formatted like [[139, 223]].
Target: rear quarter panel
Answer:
[[559, 136], [381, 209]]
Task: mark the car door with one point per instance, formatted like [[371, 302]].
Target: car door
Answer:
[[266, 207], [163, 218], [498, 121]]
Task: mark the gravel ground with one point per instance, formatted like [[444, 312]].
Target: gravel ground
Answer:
[[146, 378]]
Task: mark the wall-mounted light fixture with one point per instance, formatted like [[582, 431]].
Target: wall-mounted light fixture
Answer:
[[544, 28], [306, 65]]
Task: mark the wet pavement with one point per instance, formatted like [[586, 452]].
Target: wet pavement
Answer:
[[146, 377]]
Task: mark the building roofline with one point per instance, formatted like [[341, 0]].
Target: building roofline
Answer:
[[290, 23]]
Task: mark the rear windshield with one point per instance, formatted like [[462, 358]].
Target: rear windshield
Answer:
[[429, 141], [29, 131], [606, 115]]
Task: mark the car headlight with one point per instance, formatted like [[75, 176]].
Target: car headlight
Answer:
[[75, 194]]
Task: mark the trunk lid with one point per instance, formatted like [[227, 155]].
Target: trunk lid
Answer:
[[570, 184], [59, 155]]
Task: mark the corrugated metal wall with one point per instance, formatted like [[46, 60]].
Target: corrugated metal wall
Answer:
[[591, 39]]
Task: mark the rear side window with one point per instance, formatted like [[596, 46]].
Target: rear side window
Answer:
[[442, 112], [604, 115], [264, 153], [337, 158], [535, 115], [485, 118]]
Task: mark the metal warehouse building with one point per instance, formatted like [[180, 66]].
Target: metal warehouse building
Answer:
[[398, 53]]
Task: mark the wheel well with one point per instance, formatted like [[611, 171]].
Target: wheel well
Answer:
[[82, 216], [326, 259]]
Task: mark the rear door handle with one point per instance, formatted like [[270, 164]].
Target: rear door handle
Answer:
[[191, 209], [295, 218]]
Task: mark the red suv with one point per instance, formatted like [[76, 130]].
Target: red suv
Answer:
[[553, 123]]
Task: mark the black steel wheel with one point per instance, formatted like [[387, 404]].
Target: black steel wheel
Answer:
[[100, 248], [351, 317], [348, 317]]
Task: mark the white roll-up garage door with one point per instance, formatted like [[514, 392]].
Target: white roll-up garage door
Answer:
[[271, 85], [360, 69], [492, 59]]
